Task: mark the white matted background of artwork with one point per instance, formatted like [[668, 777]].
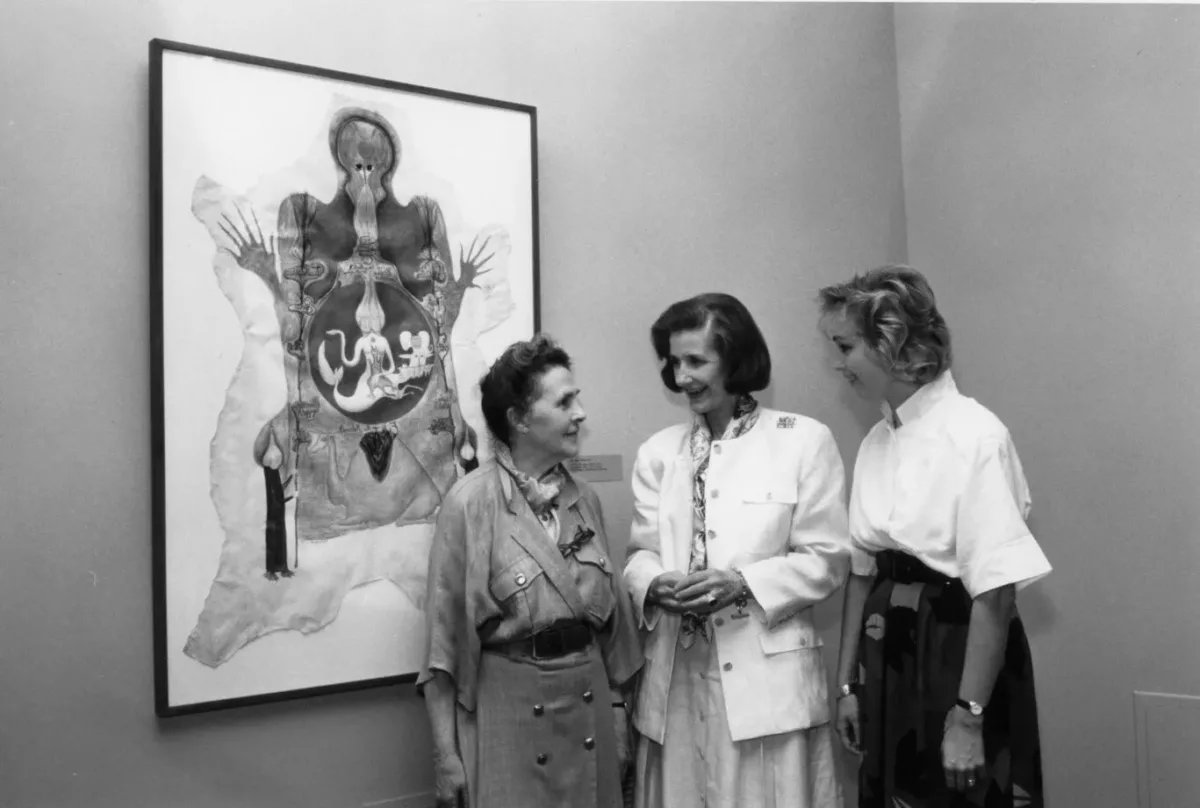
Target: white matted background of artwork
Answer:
[[262, 133]]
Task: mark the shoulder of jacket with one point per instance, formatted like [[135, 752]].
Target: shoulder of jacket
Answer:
[[468, 487], [969, 425]]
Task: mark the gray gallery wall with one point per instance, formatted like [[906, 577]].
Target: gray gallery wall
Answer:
[[744, 147], [1049, 189], [1050, 174]]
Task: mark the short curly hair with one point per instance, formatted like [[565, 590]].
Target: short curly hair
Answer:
[[512, 380], [745, 360], [895, 311]]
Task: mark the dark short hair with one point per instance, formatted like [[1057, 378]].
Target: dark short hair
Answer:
[[512, 380], [894, 309], [745, 360]]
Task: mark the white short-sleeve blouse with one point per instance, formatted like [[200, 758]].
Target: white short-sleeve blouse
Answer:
[[945, 486]]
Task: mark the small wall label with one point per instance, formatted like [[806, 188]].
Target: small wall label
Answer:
[[596, 468]]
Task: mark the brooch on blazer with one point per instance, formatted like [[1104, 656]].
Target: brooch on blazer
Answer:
[[786, 421], [583, 534]]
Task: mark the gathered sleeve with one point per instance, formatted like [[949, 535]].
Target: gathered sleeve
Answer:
[[643, 556], [818, 549], [452, 643], [994, 547]]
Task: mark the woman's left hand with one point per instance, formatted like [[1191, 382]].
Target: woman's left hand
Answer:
[[962, 750], [708, 590]]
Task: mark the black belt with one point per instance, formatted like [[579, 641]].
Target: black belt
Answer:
[[901, 567], [549, 643]]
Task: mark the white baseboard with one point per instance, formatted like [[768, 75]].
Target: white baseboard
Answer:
[[422, 800]]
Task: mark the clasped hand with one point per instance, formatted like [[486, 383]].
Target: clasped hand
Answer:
[[698, 592]]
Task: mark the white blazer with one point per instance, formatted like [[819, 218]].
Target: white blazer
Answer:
[[776, 510]]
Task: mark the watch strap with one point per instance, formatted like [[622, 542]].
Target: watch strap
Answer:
[[972, 707]]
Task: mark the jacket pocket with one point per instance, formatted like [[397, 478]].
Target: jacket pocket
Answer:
[[791, 635], [516, 577]]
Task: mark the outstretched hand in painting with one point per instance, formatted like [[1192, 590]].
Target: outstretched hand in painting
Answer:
[[471, 264], [253, 252]]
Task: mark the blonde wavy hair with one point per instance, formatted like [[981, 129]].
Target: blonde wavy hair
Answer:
[[895, 311]]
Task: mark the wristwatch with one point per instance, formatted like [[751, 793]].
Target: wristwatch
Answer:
[[972, 707]]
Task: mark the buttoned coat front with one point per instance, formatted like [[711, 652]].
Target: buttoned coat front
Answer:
[[529, 732], [776, 511]]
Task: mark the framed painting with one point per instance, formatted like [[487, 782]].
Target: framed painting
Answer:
[[335, 260]]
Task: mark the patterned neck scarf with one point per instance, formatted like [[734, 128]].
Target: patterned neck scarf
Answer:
[[541, 494], [745, 416]]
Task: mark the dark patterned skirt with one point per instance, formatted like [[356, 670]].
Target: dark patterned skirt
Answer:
[[911, 653]]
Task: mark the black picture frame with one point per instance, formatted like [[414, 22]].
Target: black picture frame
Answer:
[[464, 242]]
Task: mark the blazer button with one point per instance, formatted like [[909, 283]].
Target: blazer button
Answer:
[[589, 743], [587, 696], [728, 666], [712, 534], [603, 563], [714, 494], [803, 642], [541, 759], [719, 622], [521, 580], [538, 710], [717, 448]]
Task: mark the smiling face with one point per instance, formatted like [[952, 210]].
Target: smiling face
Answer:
[[699, 374], [550, 426], [857, 363]]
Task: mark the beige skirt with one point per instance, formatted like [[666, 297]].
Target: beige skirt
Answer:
[[542, 735], [699, 765]]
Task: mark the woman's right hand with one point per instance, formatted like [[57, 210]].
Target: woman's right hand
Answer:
[[848, 726], [662, 592], [450, 780]]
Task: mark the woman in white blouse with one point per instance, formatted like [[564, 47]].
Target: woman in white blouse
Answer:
[[936, 683], [739, 527]]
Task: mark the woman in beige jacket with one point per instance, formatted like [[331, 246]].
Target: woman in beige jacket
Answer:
[[531, 638]]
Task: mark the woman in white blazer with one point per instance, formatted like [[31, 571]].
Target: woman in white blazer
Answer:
[[739, 527]]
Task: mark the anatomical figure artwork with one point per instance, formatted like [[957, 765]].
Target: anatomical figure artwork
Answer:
[[344, 424]]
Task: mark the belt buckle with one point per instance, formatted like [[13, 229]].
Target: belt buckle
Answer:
[[543, 646]]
